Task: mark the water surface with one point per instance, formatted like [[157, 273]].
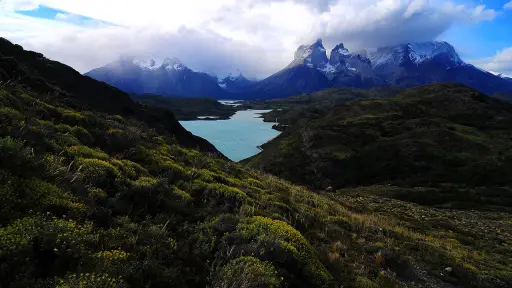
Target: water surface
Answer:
[[237, 138]]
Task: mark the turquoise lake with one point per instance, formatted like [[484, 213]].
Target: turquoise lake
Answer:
[[239, 137]]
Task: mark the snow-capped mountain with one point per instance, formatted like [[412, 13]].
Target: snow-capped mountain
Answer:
[[311, 70], [415, 64], [235, 82], [168, 77], [404, 65]]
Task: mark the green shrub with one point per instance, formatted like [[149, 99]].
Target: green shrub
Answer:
[[66, 140], [94, 171], [84, 151], [15, 156], [18, 235], [130, 169], [183, 196], [226, 191], [82, 135], [63, 128], [46, 125], [72, 117], [96, 193], [118, 140], [91, 280], [340, 221], [261, 229], [171, 170], [9, 114], [248, 272], [255, 183], [362, 282], [144, 183]]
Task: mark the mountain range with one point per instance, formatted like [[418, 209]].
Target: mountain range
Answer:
[[404, 65]]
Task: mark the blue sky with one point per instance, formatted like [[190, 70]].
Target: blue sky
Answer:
[[485, 38], [257, 36]]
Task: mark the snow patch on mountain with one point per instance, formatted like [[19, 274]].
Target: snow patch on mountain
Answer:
[[154, 63], [148, 63], [428, 50], [417, 53], [328, 69], [173, 64]]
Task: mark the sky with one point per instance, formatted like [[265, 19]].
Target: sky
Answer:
[[259, 37]]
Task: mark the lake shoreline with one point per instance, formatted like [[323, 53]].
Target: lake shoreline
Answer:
[[239, 137]]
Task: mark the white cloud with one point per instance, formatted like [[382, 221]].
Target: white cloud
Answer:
[[501, 63], [508, 5], [21, 5], [257, 36]]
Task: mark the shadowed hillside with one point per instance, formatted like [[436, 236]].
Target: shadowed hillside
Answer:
[[440, 134]]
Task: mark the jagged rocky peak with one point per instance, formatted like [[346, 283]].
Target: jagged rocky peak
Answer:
[[313, 56], [339, 54]]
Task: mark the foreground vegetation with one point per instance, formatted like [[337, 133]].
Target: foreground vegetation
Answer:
[[95, 199]]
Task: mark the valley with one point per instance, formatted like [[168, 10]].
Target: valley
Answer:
[[389, 187]]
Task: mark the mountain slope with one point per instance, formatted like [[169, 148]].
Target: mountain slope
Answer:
[[291, 81], [94, 199], [68, 86], [439, 133], [167, 77]]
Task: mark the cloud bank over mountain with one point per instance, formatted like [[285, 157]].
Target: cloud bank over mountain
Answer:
[[255, 36]]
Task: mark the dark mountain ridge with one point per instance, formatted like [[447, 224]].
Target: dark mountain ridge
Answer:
[[69, 86]]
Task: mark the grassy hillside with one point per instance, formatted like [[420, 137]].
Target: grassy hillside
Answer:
[[188, 108], [95, 199], [444, 136]]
